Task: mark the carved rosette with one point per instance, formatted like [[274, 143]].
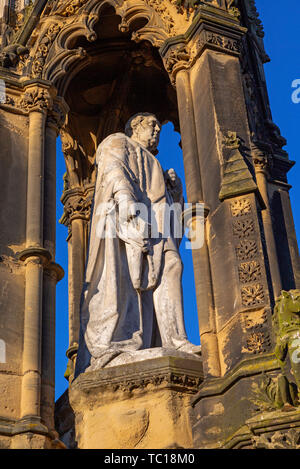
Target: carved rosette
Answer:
[[250, 271]]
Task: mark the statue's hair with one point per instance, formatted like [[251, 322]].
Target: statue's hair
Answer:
[[135, 121]]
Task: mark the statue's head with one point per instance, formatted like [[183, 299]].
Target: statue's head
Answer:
[[144, 128]]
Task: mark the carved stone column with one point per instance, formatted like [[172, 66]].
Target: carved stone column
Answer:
[[199, 66], [52, 272], [36, 101], [285, 200], [195, 195], [76, 216], [41, 275], [261, 163]]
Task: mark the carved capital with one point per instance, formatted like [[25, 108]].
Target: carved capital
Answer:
[[77, 205], [57, 115], [183, 55], [261, 163], [36, 99], [261, 156]]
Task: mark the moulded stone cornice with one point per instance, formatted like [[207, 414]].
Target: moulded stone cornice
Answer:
[[23, 95], [260, 431], [170, 372]]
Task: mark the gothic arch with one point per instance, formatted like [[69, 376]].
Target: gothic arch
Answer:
[[54, 48]]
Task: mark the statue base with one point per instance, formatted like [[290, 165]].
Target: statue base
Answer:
[[141, 405]]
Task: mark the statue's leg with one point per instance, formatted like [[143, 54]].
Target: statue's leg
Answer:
[[168, 303]]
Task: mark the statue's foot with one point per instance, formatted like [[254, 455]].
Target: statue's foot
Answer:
[[188, 347], [103, 360]]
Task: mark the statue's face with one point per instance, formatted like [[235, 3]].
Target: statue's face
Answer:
[[148, 132]]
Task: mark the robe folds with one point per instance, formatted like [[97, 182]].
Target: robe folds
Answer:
[[117, 310]]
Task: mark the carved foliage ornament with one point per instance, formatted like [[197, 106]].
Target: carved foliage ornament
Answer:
[[36, 99], [240, 207], [285, 439], [273, 393], [43, 50], [184, 55], [69, 8]]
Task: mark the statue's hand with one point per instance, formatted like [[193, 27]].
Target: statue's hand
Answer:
[[133, 229], [174, 184]]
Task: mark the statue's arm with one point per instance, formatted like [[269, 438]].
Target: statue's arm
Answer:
[[116, 175]]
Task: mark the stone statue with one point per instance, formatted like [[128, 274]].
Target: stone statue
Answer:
[[132, 298], [286, 323]]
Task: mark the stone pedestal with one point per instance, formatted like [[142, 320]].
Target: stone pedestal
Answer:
[[136, 406]]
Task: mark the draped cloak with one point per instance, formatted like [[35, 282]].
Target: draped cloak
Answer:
[[116, 268]]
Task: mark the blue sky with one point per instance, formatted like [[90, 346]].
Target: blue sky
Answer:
[[282, 43]]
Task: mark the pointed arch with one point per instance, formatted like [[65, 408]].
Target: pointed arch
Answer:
[[60, 30]]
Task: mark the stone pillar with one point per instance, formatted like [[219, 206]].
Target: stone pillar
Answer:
[[76, 216], [291, 233], [201, 260], [220, 132], [31, 383], [76, 274], [261, 169], [37, 390], [52, 272], [34, 256]]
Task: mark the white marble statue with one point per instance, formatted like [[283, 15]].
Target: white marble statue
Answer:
[[132, 298]]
